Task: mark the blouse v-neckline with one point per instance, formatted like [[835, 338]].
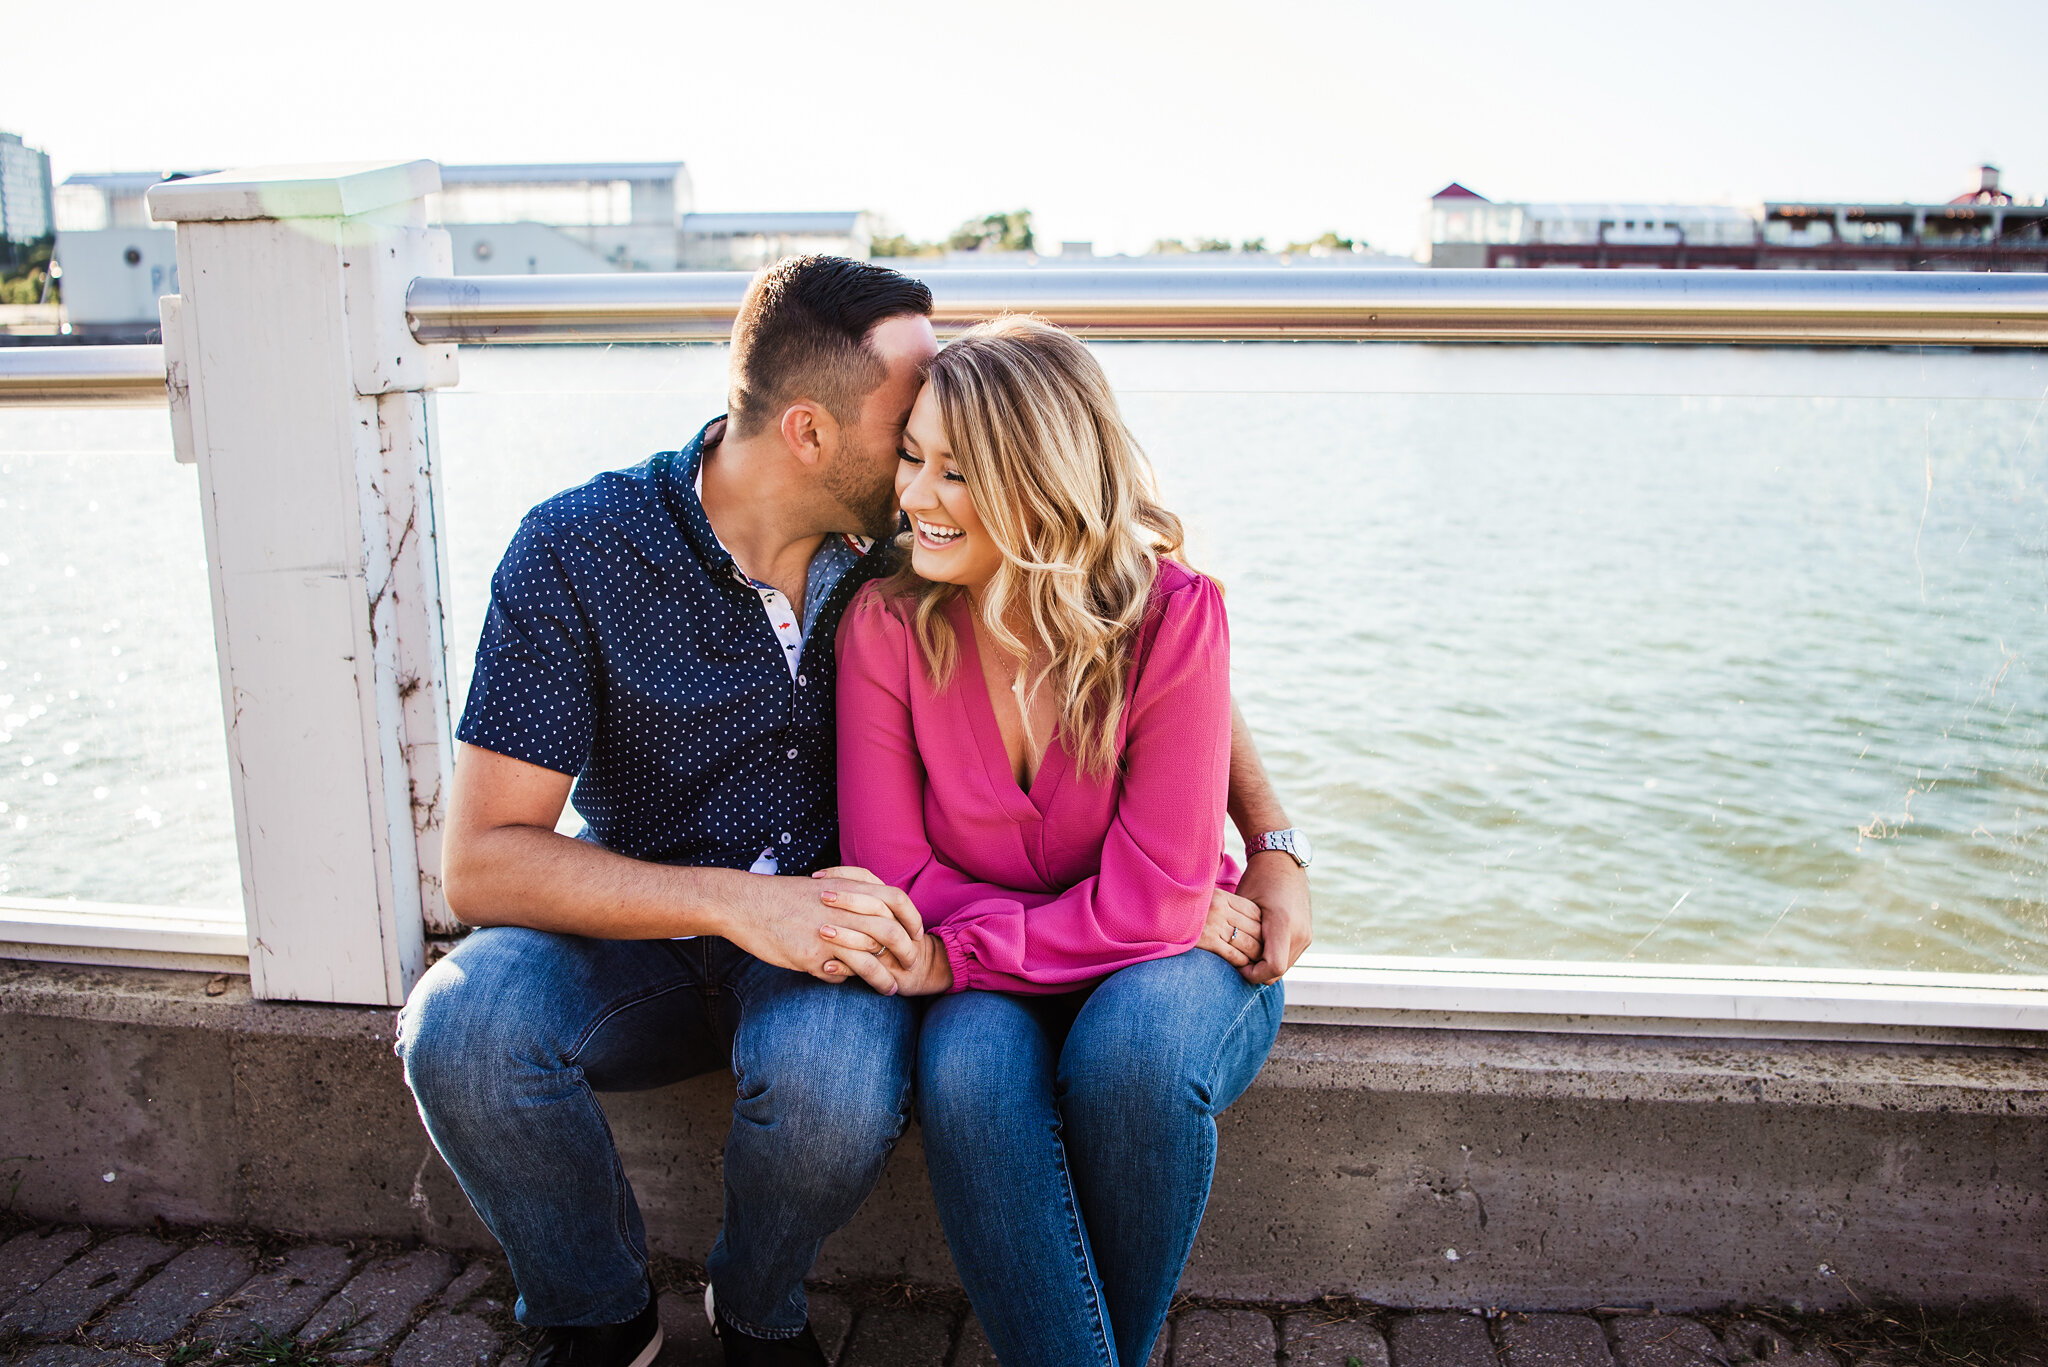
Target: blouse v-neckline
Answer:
[[1022, 804]]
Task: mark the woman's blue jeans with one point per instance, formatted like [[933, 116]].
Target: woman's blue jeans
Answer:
[[1071, 1141], [508, 1040]]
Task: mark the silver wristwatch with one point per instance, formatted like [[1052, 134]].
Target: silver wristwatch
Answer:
[[1294, 841]]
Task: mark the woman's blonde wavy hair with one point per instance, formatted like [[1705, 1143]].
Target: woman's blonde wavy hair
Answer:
[[1068, 498]]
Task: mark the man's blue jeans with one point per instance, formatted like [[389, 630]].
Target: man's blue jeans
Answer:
[[1071, 1141], [507, 1041]]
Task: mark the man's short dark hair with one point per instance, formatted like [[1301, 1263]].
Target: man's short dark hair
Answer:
[[802, 333]]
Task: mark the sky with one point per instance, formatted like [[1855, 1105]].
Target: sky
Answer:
[[1113, 121]]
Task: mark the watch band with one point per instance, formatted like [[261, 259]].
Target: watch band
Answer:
[[1293, 842]]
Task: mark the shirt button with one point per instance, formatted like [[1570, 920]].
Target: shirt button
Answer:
[[801, 681], [785, 837], [792, 754]]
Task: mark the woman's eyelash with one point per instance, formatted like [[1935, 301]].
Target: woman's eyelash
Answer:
[[953, 475]]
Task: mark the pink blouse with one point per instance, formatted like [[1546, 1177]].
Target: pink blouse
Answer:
[[1055, 888]]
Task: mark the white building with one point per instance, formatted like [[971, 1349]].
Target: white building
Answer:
[[1467, 229], [746, 242], [529, 219], [24, 192]]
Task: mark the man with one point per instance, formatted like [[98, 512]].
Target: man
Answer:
[[661, 639]]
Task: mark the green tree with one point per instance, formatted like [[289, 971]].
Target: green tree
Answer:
[[1252, 244], [1212, 244], [897, 244], [1010, 232], [1326, 245], [25, 272], [1169, 246]]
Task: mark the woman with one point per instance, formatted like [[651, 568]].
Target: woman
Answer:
[[1034, 736]]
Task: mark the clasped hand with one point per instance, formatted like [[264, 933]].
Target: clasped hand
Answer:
[[877, 936]]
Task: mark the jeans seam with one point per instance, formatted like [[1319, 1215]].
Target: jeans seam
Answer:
[[748, 1327], [1075, 1225], [1235, 1021], [575, 1051]]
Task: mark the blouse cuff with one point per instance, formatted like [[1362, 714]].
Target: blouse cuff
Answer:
[[957, 956]]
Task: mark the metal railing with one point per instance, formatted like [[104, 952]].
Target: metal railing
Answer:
[[1959, 308], [82, 376], [1934, 308]]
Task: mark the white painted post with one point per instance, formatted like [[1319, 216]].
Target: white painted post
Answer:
[[305, 403]]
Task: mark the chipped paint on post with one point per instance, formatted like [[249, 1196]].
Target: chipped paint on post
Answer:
[[311, 424]]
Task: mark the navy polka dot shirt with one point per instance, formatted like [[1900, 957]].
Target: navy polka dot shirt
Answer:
[[624, 647]]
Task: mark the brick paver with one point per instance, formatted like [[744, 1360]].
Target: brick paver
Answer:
[[449, 1338], [1313, 1339], [468, 1284], [275, 1303], [1749, 1341], [1553, 1341], [378, 1301], [1440, 1340], [85, 1286], [72, 1355], [190, 1285], [28, 1260], [1662, 1341], [1222, 1338], [886, 1337]]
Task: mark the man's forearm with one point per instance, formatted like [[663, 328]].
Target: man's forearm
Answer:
[[528, 876], [1254, 806]]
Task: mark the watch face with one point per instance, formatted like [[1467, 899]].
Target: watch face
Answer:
[[1303, 850]]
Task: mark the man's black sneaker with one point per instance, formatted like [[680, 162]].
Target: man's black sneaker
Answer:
[[744, 1350], [632, 1344]]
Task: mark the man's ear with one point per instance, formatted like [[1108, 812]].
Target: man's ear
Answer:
[[810, 432]]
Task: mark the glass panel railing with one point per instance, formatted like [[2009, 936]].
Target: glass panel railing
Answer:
[[1624, 654], [113, 766]]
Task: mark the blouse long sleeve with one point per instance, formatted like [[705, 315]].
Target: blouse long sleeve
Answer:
[[1159, 857]]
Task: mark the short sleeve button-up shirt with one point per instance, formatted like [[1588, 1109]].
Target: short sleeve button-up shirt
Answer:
[[623, 646]]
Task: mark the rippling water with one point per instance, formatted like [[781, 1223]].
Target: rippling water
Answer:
[[1685, 656]]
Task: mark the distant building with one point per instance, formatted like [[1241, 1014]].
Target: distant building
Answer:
[[115, 261], [745, 242], [563, 219], [527, 219], [1984, 229], [24, 195]]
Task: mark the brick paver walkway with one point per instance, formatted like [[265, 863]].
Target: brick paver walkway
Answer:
[[73, 1298]]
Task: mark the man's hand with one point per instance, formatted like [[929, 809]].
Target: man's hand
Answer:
[[782, 921], [877, 931], [1280, 887]]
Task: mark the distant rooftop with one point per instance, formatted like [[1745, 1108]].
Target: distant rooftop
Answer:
[[825, 222], [559, 172]]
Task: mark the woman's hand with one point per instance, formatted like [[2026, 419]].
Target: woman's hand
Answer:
[[880, 936], [1234, 931]]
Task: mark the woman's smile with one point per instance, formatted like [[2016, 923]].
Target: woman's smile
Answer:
[[949, 543]]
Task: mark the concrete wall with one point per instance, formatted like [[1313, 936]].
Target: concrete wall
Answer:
[[1564, 1171]]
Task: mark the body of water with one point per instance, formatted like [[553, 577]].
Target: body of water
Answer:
[[1672, 655]]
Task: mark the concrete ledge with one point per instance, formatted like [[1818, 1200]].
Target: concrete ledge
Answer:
[[1403, 1166]]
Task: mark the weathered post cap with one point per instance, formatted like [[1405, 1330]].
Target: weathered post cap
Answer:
[[340, 189]]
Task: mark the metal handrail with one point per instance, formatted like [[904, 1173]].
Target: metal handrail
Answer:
[[1868, 308], [1936, 308], [82, 376]]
